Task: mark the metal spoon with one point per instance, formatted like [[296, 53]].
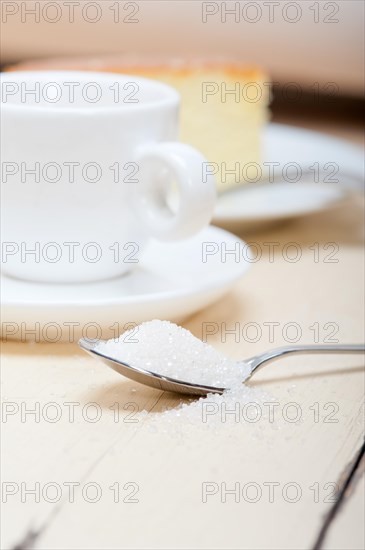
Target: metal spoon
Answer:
[[155, 380]]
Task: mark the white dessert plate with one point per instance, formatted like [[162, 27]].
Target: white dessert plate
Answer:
[[171, 282], [253, 205]]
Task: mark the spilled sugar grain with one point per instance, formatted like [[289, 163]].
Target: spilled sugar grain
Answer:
[[170, 350], [230, 412]]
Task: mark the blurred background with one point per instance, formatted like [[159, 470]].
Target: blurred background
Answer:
[[317, 45]]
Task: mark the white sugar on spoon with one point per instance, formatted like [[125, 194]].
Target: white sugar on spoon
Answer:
[[171, 351]]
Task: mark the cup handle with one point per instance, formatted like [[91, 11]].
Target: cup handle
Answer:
[[159, 164]]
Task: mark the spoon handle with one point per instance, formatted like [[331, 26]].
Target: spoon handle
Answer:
[[257, 361]]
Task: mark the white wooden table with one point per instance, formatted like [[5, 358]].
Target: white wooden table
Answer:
[[157, 487]]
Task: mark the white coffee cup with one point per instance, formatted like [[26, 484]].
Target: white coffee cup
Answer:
[[87, 160]]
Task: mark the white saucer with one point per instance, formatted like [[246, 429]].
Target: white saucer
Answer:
[[252, 206], [171, 282]]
